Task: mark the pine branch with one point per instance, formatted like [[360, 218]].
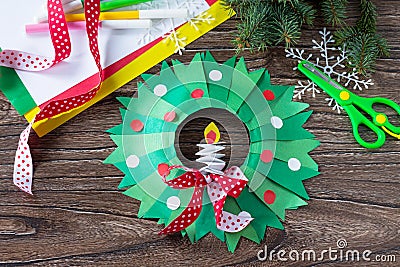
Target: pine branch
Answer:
[[367, 20], [270, 22], [252, 27], [382, 46], [361, 53], [304, 10], [362, 43], [334, 11], [285, 26], [265, 23], [345, 35]]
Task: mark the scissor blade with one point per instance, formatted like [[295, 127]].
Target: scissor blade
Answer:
[[322, 75]]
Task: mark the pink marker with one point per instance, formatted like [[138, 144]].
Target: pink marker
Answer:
[[81, 25], [44, 27]]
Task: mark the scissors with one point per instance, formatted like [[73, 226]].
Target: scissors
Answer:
[[355, 106]]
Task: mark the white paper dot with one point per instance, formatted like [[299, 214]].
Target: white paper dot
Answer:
[[294, 164], [160, 90], [173, 202], [215, 75], [276, 122], [132, 161]]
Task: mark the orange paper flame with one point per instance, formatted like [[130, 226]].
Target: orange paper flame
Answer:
[[211, 133]]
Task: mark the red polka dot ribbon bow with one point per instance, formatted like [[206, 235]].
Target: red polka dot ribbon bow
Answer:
[[231, 183], [23, 170]]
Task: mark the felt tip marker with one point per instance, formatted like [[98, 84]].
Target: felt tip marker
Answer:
[[64, 2], [108, 5], [114, 4], [67, 6], [134, 14], [81, 25], [74, 5]]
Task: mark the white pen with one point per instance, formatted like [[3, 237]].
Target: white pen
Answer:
[[64, 2], [105, 24], [68, 5]]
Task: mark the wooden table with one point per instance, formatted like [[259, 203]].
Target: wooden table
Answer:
[[78, 217]]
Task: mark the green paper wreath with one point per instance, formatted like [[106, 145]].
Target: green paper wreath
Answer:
[[277, 162]]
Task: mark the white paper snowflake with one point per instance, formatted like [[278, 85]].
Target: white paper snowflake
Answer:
[[332, 65], [191, 5], [204, 17], [166, 27], [179, 41]]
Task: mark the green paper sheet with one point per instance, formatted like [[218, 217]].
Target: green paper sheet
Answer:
[[218, 90], [285, 199], [193, 77], [15, 91]]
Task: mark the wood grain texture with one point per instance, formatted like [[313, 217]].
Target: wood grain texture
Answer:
[[78, 217]]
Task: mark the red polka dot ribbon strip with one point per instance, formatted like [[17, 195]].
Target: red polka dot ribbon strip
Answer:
[[59, 36], [92, 15], [23, 170], [23, 163], [231, 183]]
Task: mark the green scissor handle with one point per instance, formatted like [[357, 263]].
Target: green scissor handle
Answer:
[[357, 119], [380, 119], [354, 106]]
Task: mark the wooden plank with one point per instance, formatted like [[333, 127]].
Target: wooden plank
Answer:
[[65, 236], [78, 217]]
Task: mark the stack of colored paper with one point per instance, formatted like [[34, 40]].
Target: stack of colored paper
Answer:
[[125, 54]]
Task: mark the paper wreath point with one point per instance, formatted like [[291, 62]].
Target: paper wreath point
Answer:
[[276, 164]]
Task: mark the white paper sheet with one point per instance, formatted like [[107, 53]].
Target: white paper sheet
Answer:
[[114, 44]]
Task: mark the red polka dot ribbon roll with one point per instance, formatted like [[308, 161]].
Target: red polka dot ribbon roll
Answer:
[[23, 170], [218, 188]]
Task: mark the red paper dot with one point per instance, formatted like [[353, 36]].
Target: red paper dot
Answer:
[[266, 156], [197, 93], [170, 116], [269, 95], [137, 125], [269, 197], [162, 168]]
